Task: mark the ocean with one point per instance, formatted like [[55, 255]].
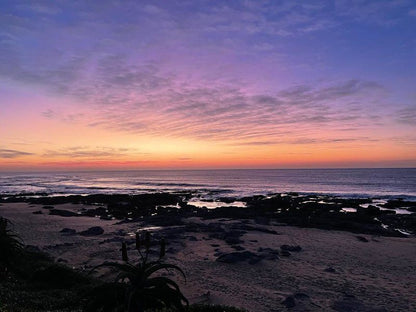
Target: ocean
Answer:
[[378, 183]]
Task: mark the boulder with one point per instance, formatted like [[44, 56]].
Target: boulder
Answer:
[[289, 302], [293, 248], [300, 300], [238, 247], [62, 213], [362, 239], [92, 231], [330, 270], [67, 231], [234, 257]]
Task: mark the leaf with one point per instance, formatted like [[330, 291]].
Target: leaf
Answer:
[[161, 280], [161, 266]]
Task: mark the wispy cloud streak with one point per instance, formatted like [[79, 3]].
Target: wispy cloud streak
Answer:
[[9, 153]]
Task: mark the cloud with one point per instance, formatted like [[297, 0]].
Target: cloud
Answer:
[[49, 113], [409, 140], [382, 12], [407, 116], [63, 117], [228, 113], [9, 153], [308, 141], [169, 70], [97, 152]]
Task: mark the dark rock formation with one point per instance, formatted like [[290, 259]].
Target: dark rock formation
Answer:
[[63, 213], [234, 257], [294, 248], [92, 231], [67, 231]]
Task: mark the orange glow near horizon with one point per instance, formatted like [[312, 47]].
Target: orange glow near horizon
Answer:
[[112, 152]]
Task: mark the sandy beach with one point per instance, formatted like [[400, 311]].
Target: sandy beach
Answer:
[[332, 271]]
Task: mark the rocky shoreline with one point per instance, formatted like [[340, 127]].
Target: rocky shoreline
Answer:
[[281, 252], [357, 215]]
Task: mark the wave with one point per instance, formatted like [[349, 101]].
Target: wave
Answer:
[[380, 183]]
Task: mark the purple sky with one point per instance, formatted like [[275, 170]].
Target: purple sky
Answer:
[[279, 77]]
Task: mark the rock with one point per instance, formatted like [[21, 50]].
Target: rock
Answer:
[[120, 232], [301, 301], [58, 246], [268, 253], [92, 231], [67, 231], [285, 253], [108, 218], [192, 238], [350, 303], [330, 270], [247, 227], [362, 239], [234, 257], [233, 240], [289, 302], [301, 296], [399, 203], [113, 240], [227, 200], [172, 250], [48, 207], [100, 211], [37, 212], [294, 248], [238, 247], [268, 250], [62, 213], [262, 220]]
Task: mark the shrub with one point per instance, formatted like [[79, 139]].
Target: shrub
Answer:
[[136, 287], [10, 245]]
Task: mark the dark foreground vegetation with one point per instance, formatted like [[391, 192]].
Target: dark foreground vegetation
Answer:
[[31, 281]]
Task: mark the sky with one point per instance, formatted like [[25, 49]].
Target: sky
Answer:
[[207, 84]]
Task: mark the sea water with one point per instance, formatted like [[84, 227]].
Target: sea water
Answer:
[[380, 183]]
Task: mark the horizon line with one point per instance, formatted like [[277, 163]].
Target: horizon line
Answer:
[[200, 169]]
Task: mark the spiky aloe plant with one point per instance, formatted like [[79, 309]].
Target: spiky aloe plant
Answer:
[[10, 244], [138, 287]]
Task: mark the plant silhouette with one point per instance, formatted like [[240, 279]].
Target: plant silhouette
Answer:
[[10, 245], [138, 287]]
